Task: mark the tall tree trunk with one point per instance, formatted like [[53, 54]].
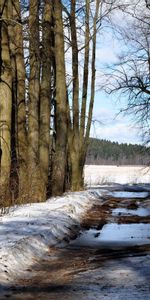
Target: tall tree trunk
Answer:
[[12, 46], [85, 73], [5, 101], [21, 109], [83, 148], [85, 142], [45, 94], [74, 142], [78, 138], [35, 192], [59, 164], [75, 65], [93, 73], [16, 40]]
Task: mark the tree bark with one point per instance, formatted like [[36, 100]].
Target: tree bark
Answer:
[[35, 191], [59, 163], [74, 142], [12, 46], [16, 37], [45, 94], [93, 73], [75, 65], [78, 138], [85, 142], [85, 73], [5, 102]]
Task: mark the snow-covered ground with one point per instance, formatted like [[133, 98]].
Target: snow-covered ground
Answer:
[[95, 175], [27, 232]]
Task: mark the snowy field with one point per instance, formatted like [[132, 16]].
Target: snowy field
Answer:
[[95, 175]]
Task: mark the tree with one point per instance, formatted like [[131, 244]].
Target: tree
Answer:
[[73, 138], [38, 96], [130, 76], [19, 128], [35, 191], [45, 94], [59, 160], [79, 122], [5, 101]]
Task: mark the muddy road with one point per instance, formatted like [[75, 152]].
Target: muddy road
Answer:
[[109, 259]]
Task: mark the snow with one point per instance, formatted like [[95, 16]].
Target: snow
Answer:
[[27, 232], [115, 235], [140, 211], [130, 195], [97, 175]]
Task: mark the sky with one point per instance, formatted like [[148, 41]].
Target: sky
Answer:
[[108, 123]]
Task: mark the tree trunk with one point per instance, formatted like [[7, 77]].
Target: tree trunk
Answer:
[[76, 173], [85, 143], [85, 74], [12, 46], [59, 163], [16, 36], [45, 95], [21, 110], [35, 192], [74, 141], [78, 138], [75, 73], [93, 74], [5, 103]]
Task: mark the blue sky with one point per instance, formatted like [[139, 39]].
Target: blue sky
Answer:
[[108, 124]]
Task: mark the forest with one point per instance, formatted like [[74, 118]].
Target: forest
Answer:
[[47, 89], [103, 152], [43, 141]]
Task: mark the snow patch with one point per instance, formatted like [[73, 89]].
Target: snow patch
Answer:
[[28, 231]]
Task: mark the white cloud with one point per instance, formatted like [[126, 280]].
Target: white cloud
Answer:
[[118, 130], [106, 55]]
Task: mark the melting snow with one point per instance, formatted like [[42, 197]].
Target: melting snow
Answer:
[[115, 235], [27, 231], [141, 212], [124, 194]]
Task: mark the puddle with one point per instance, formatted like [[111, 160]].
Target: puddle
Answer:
[[124, 194], [141, 212], [114, 235]]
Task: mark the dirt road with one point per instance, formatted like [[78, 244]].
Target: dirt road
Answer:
[[96, 265]]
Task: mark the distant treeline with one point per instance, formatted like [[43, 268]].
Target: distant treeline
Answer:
[[103, 152]]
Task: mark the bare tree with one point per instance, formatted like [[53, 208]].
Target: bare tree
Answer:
[[81, 114], [130, 76]]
